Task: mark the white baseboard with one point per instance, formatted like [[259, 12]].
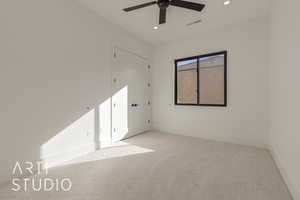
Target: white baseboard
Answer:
[[295, 194], [229, 140]]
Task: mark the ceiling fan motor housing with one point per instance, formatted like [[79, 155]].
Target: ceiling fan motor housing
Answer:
[[163, 3]]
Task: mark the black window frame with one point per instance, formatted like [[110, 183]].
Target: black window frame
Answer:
[[198, 95]]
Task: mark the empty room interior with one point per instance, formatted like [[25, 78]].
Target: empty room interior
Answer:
[[149, 100]]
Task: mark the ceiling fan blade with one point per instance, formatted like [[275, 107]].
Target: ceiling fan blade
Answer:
[[162, 15], [189, 5], [139, 6]]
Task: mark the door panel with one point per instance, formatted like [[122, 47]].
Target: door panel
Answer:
[[130, 109]]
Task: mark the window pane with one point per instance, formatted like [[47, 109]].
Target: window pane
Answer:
[[187, 82], [211, 80]]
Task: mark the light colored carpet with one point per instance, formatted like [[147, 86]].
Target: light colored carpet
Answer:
[[156, 166]]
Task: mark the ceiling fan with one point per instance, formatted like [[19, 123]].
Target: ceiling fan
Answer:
[[164, 4]]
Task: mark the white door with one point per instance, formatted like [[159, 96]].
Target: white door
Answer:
[[131, 95]]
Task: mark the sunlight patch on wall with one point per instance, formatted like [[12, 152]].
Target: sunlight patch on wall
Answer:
[[91, 132], [105, 122], [75, 140], [120, 114]]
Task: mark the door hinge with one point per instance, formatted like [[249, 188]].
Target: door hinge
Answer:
[[149, 66], [115, 54], [149, 121]]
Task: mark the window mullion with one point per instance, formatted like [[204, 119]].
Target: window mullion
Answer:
[[198, 89]]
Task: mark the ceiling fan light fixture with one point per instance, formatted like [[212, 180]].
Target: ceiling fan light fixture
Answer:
[[155, 27]]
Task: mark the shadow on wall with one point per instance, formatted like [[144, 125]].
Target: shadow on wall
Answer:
[[87, 134]]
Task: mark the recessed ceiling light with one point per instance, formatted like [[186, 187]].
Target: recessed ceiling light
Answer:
[[227, 2], [155, 27]]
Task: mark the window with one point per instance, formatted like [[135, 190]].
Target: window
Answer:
[[201, 80]]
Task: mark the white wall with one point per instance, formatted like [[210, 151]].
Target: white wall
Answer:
[[244, 121], [54, 62], [285, 90]]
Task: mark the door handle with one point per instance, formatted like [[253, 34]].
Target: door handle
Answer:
[[134, 105]]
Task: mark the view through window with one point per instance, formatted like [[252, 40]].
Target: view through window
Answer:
[[201, 80]]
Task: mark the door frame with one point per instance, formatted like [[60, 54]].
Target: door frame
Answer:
[[115, 49]]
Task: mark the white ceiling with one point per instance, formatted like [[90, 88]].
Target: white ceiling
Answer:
[[142, 21]]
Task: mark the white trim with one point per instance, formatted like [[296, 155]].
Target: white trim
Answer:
[[229, 140], [105, 143], [295, 194], [117, 48]]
